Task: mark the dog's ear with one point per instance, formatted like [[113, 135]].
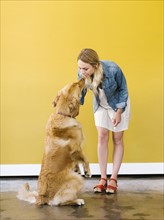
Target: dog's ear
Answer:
[[62, 91], [56, 100], [72, 104]]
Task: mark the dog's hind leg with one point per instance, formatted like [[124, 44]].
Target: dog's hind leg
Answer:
[[42, 198], [67, 195]]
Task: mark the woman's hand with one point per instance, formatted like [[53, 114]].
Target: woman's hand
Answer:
[[117, 118]]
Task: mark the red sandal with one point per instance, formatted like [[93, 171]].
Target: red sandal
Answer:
[[100, 187], [110, 188]]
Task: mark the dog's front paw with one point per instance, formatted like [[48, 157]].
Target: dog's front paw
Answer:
[[87, 173], [77, 169], [80, 202]]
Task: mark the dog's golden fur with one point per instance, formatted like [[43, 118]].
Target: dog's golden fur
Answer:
[[58, 183]]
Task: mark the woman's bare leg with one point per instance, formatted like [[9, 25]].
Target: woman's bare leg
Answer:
[[118, 152], [103, 138]]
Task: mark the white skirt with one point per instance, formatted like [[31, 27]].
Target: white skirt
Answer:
[[103, 118]]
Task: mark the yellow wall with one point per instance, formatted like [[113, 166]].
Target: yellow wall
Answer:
[[40, 41]]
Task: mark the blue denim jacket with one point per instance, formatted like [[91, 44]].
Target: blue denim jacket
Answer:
[[114, 86]]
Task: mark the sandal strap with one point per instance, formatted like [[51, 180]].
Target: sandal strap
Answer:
[[112, 187], [103, 179], [113, 180], [101, 186]]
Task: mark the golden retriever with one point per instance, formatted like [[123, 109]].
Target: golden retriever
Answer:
[[58, 183]]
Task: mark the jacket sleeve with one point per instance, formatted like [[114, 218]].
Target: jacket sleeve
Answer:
[[84, 91], [122, 89]]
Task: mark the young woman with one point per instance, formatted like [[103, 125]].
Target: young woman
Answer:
[[111, 111]]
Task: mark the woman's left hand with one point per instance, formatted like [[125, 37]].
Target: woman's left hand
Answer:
[[117, 118]]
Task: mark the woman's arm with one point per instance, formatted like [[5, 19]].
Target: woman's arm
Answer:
[[122, 88]]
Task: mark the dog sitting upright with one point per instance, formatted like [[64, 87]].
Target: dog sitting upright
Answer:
[[58, 184]]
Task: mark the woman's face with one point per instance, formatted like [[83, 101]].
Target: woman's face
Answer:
[[86, 69]]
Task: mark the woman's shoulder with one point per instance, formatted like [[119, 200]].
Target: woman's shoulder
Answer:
[[109, 66], [108, 63]]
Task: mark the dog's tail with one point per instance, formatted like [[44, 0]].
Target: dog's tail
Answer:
[[25, 194]]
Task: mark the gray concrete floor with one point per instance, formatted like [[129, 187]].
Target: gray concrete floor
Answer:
[[138, 197]]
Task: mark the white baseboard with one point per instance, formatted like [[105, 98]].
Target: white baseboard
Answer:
[[126, 169]]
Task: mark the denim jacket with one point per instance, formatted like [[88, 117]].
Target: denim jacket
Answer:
[[114, 86]]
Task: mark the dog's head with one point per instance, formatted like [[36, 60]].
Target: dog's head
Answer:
[[67, 101]]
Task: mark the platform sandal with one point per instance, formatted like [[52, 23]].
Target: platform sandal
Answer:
[[110, 188], [100, 187]]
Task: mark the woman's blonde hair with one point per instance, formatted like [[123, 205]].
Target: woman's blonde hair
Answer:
[[90, 56]]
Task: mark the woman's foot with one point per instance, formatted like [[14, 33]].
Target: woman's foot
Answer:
[[112, 186], [101, 186]]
